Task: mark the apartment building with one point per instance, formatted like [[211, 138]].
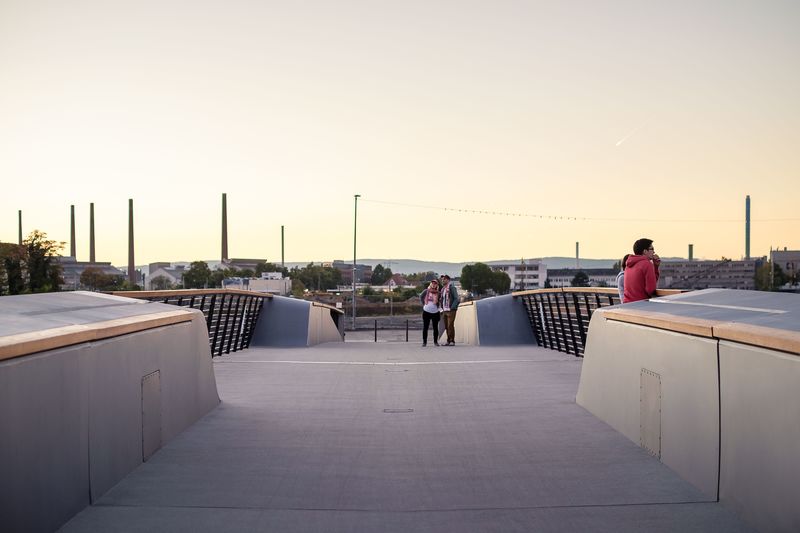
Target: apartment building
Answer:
[[524, 275]]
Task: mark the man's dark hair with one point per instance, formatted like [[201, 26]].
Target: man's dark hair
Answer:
[[641, 245]]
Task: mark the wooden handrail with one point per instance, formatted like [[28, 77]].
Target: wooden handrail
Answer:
[[598, 290], [765, 337], [761, 336], [188, 292], [332, 308], [31, 342], [680, 324]]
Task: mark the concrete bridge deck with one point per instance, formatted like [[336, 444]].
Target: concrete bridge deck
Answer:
[[395, 437]]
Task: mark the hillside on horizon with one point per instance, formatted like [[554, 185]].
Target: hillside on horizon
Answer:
[[411, 266]]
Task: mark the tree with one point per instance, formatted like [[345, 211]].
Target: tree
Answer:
[[317, 277], [12, 279], [501, 283], [44, 274], [480, 278], [95, 279], [198, 276], [270, 267], [422, 277], [161, 283], [298, 288], [766, 279], [581, 279], [245, 273], [381, 275]]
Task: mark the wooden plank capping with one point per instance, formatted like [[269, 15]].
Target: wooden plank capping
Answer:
[[332, 308], [692, 326], [762, 336], [49, 339], [593, 290], [765, 337], [188, 292]]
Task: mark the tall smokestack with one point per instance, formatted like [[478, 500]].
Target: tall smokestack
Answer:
[[224, 227], [131, 263], [72, 250], [691, 252], [20, 226], [747, 227], [281, 246], [91, 233], [578, 255]]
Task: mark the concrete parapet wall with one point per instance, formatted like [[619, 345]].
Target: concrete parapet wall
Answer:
[[496, 321], [289, 322], [760, 456], [723, 395], [77, 419], [685, 428]]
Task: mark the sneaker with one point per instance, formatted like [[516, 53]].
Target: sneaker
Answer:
[[424, 344], [435, 343]]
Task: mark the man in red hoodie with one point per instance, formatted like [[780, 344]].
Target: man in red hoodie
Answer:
[[641, 272]]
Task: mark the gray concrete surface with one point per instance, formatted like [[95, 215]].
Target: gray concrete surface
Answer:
[[758, 308], [395, 437]]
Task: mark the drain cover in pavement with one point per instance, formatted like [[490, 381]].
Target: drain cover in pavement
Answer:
[[398, 410], [396, 370]]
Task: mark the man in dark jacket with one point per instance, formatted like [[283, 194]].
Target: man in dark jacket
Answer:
[[449, 303], [641, 272]]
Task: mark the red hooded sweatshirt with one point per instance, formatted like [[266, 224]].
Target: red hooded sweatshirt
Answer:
[[641, 278]]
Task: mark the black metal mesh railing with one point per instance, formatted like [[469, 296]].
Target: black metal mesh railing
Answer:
[[231, 315], [560, 318]]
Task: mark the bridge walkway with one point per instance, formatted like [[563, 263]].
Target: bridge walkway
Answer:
[[364, 436]]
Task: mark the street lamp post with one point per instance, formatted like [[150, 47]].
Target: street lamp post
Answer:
[[355, 228]]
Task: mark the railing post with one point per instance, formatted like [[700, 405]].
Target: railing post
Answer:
[[226, 330], [219, 310], [407, 330], [571, 327], [376, 330], [553, 325], [581, 327], [209, 322], [233, 331]]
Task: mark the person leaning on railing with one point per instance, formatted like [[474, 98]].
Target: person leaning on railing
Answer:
[[641, 272], [621, 278]]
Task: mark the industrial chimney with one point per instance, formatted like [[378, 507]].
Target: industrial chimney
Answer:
[[20, 227], [91, 233], [72, 250], [577, 255], [691, 252], [747, 227], [224, 228], [131, 263]]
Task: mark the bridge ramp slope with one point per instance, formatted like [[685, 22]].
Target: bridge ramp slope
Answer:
[[286, 322], [393, 437]]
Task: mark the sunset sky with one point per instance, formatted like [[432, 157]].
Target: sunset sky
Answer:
[[609, 120]]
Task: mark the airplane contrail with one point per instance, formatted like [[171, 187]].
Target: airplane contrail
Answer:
[[634, 130]]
